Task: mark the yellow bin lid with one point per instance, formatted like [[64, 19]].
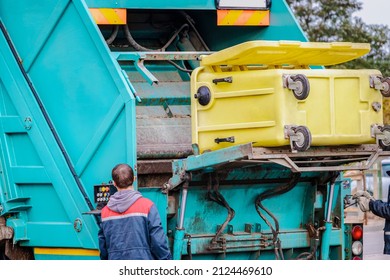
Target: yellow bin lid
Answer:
[[287, 53]]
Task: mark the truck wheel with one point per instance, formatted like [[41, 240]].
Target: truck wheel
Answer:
[[385, 143], [303, 86], [304, 139], [386, 83]]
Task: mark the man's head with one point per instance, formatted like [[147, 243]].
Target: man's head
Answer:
[[123, 176]]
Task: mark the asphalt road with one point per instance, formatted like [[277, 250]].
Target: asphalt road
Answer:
[[373, 240]]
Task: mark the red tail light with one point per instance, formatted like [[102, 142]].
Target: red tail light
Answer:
[[357, 232], [357, 242]]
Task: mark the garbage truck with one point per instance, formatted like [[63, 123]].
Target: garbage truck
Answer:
[[223, 109]]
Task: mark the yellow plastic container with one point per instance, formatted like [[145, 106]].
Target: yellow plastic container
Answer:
[[264, 93]]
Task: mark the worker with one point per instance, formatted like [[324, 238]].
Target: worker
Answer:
[[367, 202], [131, 227]]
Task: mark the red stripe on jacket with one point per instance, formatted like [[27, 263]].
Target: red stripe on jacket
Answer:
[[141, 205]]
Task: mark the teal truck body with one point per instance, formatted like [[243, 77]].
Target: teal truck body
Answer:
[[77, 97]]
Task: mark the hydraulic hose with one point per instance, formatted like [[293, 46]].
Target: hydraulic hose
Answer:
[[192, 23], [179, 67], [278, 191], [133, 43], [141, 48], [216, 196], [258, 204], [113, 35]]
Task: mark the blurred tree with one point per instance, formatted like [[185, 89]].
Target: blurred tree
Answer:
[[333, 20]]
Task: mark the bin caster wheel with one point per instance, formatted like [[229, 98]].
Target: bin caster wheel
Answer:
[[302, 139], [300, 87], [386, 87], [385, 143]]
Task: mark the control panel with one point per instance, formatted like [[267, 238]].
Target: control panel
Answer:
[[102, 194]]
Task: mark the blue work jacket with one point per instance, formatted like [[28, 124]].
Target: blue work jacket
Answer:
[[382, 209], [131, 229]]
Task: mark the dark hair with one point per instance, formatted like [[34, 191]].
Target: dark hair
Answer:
[[123, 175]]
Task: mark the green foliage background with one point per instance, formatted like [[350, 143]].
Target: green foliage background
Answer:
[[333, 20]]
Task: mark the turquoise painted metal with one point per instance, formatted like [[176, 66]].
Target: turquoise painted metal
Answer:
[[58, 128], [290, 220], [72, 106]]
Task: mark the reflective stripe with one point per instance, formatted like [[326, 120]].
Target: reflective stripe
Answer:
[[242, 17], [387, 232], [125, 216], [65, 251], [108, 16]]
